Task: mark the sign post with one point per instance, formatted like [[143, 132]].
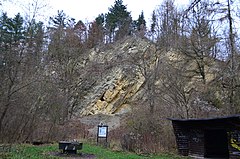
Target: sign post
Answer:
[[102, 133]]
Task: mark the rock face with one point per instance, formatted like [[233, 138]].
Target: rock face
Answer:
[[122, 71], [120, 82]]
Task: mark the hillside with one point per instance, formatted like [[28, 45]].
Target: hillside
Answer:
[[130, 84], [125, 80]]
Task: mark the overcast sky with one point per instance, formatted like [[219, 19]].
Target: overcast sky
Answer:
[[87, 10]]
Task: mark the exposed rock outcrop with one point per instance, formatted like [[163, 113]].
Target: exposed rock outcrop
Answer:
[[120, 80], [122, 72]]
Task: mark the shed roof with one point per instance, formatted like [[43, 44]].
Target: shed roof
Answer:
[[226, 122]]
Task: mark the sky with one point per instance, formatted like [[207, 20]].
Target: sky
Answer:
[[85, 10]]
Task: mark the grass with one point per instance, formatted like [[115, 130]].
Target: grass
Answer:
[[43, 152], [102, 153], [30, 152]]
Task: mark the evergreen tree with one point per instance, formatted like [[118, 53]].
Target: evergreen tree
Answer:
[[12, 29], [12, 65], [100, 20], [141, 22], [57, 34], [153, 25], [4, 36], [35, 34], [17, 27], [118, 21], [141, 25], [60, 20]]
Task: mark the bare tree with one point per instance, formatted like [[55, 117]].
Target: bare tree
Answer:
[[222, 12], [198, 38], [167, 25], [20, 71]]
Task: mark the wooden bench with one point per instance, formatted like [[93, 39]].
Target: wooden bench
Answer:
[[70, 147]]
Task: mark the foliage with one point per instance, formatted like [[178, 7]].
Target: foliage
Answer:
[[12, 28], [153, 24], [60, 20], [118, 21], [139, 25]]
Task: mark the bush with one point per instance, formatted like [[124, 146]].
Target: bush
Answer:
[[147, 133]]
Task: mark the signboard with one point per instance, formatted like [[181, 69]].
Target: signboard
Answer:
[[102, 131]]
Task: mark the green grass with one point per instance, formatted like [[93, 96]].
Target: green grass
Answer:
[[30, 152], [43, 152], [102, 153]]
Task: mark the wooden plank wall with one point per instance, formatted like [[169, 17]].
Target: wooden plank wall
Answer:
[[182, 139], [196, 143]]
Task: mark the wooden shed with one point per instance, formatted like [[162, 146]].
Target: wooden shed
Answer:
[[208, 138]]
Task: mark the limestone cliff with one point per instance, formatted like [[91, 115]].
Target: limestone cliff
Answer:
[[119, 82], [122, 71]]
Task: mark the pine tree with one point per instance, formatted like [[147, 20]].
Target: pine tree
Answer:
[[141, 22], [12, 29], [60, 20], [118, 21], [153, 25]]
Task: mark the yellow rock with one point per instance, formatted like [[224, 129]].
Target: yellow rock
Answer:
[[101, 104], [110, 95]]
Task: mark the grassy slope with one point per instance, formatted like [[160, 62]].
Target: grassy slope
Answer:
[[42, 152]]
